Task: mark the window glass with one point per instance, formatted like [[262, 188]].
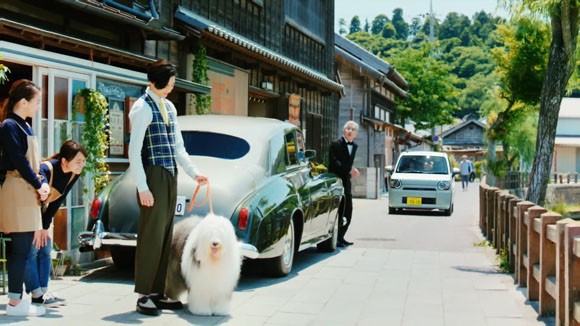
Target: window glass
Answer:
[[423, 164], [211, 144], [291, 149]]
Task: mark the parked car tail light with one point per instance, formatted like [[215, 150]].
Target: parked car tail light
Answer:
[[243, 218], [394, 183], [443, 185], [95, 208]]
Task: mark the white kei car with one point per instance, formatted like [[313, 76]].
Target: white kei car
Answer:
[[422, 180]]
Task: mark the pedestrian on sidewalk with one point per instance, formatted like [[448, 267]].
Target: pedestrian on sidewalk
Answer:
[[341, 158], [155, 147], [465, 168], [21, 190], [62, 170]]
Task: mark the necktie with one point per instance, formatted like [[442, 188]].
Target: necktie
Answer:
[[163, 112]]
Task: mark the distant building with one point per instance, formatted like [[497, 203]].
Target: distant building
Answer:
[[567, 142], [372, 88], [465, 138]]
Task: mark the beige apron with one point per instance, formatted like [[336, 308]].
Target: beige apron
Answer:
[[19, 201]]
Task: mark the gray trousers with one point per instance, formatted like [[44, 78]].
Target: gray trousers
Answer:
[[155, 232]]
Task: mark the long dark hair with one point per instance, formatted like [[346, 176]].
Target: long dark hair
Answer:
[[21, 89], [68, 151]]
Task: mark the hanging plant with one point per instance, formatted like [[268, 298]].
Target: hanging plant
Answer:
[[199, 75], [95, 136], [3, 72]]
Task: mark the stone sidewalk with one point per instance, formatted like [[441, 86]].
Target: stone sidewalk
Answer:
[[402, 270]]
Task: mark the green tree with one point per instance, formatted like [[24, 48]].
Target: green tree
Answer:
[[341, 26], [367, 26], [563, 16], [378, 23], [427, 27], [477, 90], [400, 25], [521, 68], [354, 25], [415, 26], [432, 95], [455, 25], [389, 31]]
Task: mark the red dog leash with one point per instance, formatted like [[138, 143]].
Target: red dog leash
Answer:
[[193, 203]]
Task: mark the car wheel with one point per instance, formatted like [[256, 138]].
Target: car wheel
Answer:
[[392, 210], [282, 265], [123, 257], [329, 245], [449, 211]]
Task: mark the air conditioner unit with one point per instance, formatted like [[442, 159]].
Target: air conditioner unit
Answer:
[[267, 86]]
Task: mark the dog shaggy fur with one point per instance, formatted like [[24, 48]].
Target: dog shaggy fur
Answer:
[[205, 261]]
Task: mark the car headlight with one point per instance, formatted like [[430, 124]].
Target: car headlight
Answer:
[[394, 183], [443, 185]]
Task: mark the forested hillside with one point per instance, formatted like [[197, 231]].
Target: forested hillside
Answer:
[[456, 60]]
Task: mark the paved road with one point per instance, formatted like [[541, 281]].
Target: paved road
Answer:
[[402, 270]]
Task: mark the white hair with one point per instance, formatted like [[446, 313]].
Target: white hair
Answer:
[[350, 123]]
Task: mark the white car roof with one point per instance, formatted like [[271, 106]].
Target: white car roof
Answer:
[[240, 126]]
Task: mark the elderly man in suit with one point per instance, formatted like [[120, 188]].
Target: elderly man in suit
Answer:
[[341, 158]]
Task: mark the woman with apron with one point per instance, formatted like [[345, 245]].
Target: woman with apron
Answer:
[[22, 190]]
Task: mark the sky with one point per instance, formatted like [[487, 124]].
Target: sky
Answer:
[[369, 9]]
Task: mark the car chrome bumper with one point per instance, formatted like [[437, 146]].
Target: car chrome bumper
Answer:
[[97, 238]]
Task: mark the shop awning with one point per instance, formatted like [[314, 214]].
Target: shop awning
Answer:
[[203, 25]]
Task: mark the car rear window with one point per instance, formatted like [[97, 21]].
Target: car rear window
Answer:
[[211, 144], [423, 164]]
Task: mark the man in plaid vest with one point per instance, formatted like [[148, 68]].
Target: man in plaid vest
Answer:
[[155, 147]]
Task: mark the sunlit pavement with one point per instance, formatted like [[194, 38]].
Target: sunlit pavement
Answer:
[[405, 269]]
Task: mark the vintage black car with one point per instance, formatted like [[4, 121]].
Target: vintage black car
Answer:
[[260, 179]]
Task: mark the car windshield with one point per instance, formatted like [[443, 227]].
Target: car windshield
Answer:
[[202, 143], [422, 164]]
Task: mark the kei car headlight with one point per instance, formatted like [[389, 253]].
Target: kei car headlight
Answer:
[[394, 183], [443, 185]]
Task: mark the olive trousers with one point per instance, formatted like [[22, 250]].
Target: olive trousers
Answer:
[[155, 232]]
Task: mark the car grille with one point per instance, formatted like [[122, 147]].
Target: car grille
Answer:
[[424, 201], [419, 189]]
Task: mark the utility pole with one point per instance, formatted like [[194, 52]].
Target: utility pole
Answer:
[[431, 23]]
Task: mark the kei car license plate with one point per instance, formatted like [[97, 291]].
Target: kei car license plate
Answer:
[[180, 206], [413, 200]]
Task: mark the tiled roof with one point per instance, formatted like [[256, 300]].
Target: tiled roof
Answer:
[[371, 62]]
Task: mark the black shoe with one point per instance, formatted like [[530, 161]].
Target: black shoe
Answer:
[[146, 306], [340, 244], [347, 243], [163, 302]]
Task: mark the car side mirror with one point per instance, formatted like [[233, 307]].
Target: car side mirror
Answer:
[[389, 168], [456, 171], [309, 154]]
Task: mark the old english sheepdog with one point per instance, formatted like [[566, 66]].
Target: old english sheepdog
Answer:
[[205, 261]]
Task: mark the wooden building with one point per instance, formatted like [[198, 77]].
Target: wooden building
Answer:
[[372, 88], [268, 58]]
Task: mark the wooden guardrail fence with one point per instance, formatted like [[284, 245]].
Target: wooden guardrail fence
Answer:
[[542, 248]]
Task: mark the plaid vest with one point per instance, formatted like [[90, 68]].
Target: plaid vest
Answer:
[[159, 143]]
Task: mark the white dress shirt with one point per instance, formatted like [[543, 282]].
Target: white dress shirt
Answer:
[[141, 117]]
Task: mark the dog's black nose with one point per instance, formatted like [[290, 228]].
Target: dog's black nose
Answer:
[[215, 244]]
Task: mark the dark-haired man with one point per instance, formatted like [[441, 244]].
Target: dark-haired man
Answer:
[[156, 145]]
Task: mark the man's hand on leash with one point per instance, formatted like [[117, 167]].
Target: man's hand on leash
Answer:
[[201, 179]]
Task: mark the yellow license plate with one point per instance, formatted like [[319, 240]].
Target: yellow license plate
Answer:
[[413, 200]]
